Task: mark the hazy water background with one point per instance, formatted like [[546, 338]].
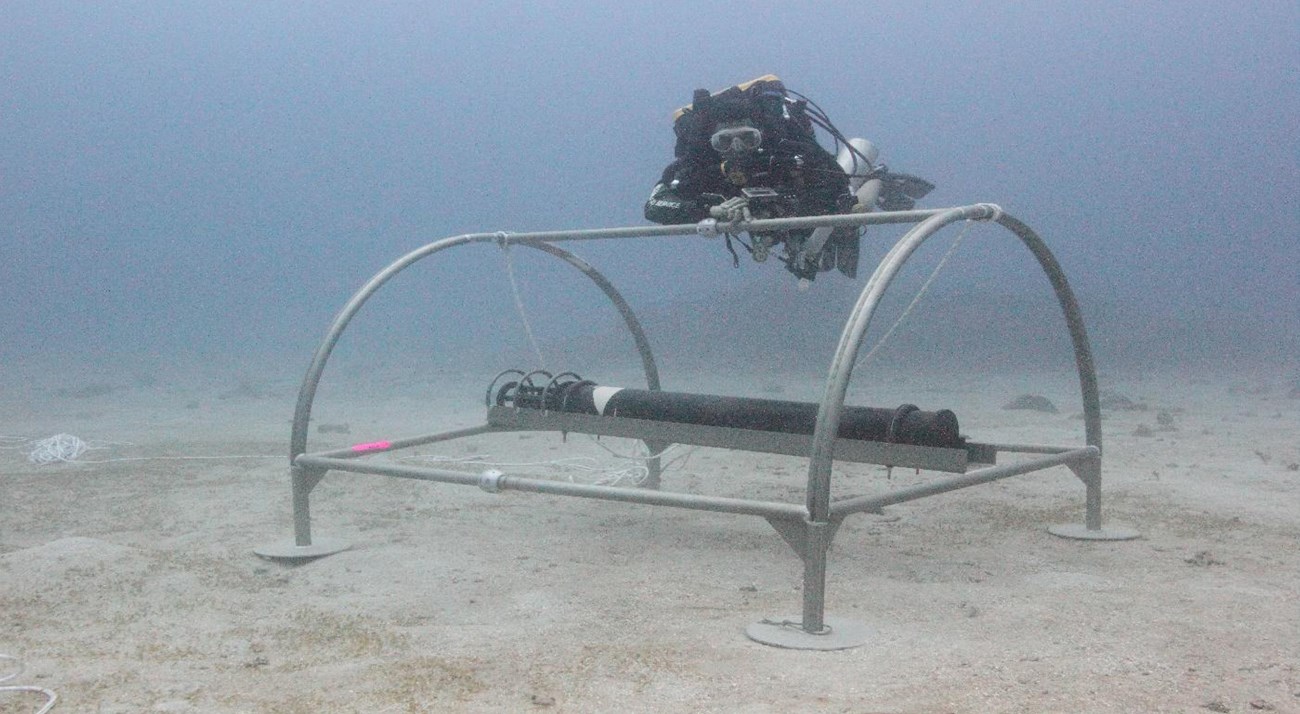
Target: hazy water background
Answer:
[[208, 182]]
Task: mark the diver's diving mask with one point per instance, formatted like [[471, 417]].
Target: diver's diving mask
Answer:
[[736, 139]]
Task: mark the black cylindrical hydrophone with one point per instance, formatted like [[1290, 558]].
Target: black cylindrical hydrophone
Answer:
[[906, 424]]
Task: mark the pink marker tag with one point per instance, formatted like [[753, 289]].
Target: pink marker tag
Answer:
[[372, 446]]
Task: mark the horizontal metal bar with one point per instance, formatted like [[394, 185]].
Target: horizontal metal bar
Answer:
[[1031, 448], [859, 504], [351, 452], [770, 224], [984, 454], [767, 509], [326, 463], [930, 458]]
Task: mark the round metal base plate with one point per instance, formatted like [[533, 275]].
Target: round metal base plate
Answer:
[[292, 551], [1078, 531], [785, 632]]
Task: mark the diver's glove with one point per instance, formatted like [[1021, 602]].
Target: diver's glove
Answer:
[[732, 210]]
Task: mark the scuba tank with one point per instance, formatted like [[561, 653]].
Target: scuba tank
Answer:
[[873, 186], [865, 189], [852, 162]]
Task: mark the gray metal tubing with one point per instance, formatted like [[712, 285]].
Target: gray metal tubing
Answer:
[[846, 353], [1031, 448], [302, 481], [832, 406], [307, 393], [819, 536], [326, 463], [834, 221], [1073, 320], [993, 473], [634, 325], [348, 453], [766, 509], [717, 504], [768, 224]]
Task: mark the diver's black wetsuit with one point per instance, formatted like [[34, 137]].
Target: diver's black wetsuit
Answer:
[[790, 161]]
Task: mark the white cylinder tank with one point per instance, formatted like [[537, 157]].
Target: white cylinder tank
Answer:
[[852, 163]]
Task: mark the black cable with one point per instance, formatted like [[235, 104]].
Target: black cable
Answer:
[[820, 118], [735, 258]]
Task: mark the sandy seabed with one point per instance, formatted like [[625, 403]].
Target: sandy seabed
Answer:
[[128, 581]]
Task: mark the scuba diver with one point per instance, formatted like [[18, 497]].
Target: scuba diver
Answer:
[[750, 152]]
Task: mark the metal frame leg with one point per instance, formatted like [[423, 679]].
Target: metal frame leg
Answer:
[[811, 540], [302, 547], [1089, 472], [654, 466]]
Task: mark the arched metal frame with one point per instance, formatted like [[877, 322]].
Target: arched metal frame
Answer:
[[821, 515], [305, 479], [808, 529]]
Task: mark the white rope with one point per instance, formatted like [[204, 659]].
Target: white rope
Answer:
[[502, 240], [51, 697], [186, 458], [66, 448], [60, 447], [568, 466], [596, 473], [924, 287], [643, 470]]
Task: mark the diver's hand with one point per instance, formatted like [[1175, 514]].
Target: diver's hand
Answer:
[[732, 210]]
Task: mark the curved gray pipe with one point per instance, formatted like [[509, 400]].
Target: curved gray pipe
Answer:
[[832, 405], [307, 393]]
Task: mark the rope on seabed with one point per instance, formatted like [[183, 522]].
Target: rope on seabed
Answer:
[[60, 447], [18, 669], [634, 474], [66, 448]]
